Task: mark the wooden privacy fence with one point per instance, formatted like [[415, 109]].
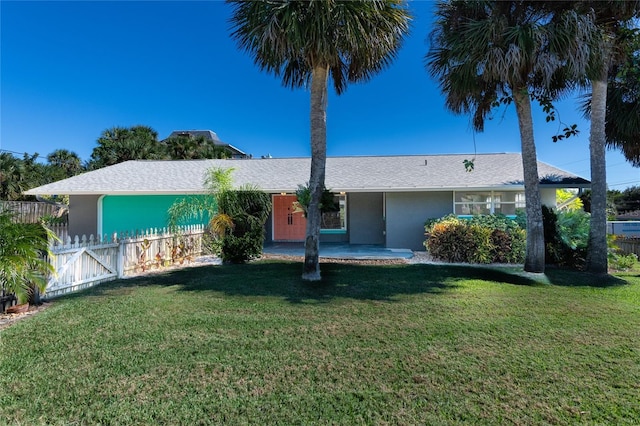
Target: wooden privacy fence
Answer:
[[32, 211], [629, 245], [85, 262]]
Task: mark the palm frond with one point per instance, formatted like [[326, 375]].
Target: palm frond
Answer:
[[354, 39]]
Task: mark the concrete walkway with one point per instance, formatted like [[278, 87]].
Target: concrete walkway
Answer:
[[340, 251]]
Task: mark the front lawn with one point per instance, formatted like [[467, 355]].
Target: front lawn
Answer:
[[394, 344]]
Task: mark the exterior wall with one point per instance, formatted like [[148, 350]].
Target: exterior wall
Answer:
[[365, 214], [268, 229], [120, 213], [324, 237], [342, 237], [83, 215], [407, 213], [548, 197]]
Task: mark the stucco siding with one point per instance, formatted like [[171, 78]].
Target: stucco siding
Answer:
[[407, 212], [365, 218], [83, 215], [131, 213], [268, 228], [548, 197]]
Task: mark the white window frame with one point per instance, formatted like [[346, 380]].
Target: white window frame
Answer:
[[495, 199], [342, 202]]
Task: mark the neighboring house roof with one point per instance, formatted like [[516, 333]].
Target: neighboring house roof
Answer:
[[207, 134], [210, 136], [349, 174], [630, 215]]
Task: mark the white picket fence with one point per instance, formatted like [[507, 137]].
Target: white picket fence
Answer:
[[85, 262], [61, 230]]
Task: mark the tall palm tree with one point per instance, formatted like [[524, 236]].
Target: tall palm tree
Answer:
[[484, 52], [306, 43], [610, 18], [623, 101]]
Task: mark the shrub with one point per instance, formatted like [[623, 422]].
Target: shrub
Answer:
[[481, 239], [247, 209], [624, 262], [566, 236], [509, 246], [237, 216], [617, 259]]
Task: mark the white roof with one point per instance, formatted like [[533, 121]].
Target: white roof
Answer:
[[348, 174]]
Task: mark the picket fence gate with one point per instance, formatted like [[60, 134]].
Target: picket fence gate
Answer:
[[85, 262]]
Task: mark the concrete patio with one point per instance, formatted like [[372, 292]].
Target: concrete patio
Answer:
[[340, 251]]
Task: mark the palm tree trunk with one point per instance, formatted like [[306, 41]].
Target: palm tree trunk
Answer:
[[534, 259], [319, 78], [597, 255]]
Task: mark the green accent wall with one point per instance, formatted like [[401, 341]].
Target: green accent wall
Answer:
[[140, 212]]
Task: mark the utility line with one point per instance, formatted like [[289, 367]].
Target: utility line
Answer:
[[624, 183], [12, 152]]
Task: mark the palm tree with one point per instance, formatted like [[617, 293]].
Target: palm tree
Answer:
[[305, 43], [13, 177], [66, 160], [236, 215], [22, 266], [190, 148], [119, 144], [610, 18], [487, 52], [623, 104]]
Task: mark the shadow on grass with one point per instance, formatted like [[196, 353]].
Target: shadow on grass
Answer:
[[572, 278], [350, 281]]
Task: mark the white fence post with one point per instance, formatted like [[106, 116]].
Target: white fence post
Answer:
[[120, 259]]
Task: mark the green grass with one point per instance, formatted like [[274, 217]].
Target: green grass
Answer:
[[399, 344]]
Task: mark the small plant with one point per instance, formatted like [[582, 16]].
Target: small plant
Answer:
[[616, 257], [53, 220], [566, 236], [327, 202], [624, 262]]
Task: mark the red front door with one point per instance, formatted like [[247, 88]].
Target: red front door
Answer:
[[287, 225]]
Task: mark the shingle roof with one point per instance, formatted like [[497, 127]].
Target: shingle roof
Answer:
[[207, 134], [349, 174]]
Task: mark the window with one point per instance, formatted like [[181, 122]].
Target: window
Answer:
[[335, 220], [487, 202]]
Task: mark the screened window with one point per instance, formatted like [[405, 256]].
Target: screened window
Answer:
[[487, 202], [336, 220]]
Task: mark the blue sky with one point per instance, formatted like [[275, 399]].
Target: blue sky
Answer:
[[70, 70]]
